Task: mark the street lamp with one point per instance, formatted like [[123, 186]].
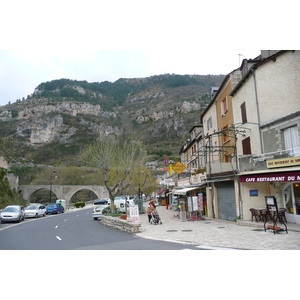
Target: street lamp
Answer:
[[141, 185], [51, 184]]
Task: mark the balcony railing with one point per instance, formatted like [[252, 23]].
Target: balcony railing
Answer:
[[259, 161], [248, 162]]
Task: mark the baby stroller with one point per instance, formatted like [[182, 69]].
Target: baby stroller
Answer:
[[155, 219]]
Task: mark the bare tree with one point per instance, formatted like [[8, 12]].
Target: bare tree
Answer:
[[117, 158]]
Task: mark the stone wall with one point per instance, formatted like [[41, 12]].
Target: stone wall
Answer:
[[122, 225]]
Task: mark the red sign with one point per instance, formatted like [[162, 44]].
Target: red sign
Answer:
[[271, 177]]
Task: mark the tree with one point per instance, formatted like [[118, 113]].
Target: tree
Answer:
[[117, 158]]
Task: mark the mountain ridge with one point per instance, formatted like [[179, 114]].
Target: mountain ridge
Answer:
[[61, 116]]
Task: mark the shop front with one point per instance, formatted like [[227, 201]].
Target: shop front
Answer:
[[190, 202], [163, 197], [227, 206], [284, 185]]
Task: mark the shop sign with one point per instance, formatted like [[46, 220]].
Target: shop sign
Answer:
[[283, 162], [134, 213], [200, 199], [272, 177]]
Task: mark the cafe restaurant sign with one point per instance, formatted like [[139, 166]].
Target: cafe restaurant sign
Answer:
[[283, 162], [271, 177]]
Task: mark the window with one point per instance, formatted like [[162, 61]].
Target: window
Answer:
[[244, 113], [291, 140], [209, 123], [225, 132], [224, 104], [246, 146]]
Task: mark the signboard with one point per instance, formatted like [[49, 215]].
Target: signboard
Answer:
[[271, 201], [283, 162], [195, 203], [200, 198], [134, 213], [190, 205], [271, 177], [178, 167]]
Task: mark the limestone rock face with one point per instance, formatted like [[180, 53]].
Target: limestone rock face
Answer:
[[67, 108], [39, 127]]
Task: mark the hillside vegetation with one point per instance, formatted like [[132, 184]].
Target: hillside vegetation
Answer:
[[52, 125]]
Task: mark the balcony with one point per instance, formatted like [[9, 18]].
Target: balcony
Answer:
[[197, 178], [259, 161], [216, 168]]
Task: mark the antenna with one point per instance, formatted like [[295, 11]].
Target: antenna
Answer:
[[240, 58]]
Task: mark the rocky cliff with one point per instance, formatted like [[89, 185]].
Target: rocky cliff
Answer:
[[60, 117]]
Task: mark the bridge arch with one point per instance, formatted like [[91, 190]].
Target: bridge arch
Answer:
[[65, 192]]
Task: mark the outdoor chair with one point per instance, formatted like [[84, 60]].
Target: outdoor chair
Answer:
[[255, 215], [281, 215]]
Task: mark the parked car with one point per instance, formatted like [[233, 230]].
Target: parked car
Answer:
[[54, 208], [102, 201], [12, 213], [97, 211], [35, 211]]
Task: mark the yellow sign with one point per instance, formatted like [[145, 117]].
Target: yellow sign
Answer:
[[283, 162], [179, 167]]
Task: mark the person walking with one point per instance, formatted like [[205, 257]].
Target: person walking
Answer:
[[150, 209]]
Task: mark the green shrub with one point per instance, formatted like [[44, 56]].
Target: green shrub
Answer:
[[107, 211], [79, 204]]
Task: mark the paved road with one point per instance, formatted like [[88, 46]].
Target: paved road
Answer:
[[74, 231]]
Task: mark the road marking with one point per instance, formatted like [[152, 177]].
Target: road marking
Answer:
[[58, 237], [77, 216], [206, 247], [65, 220], [56, 226]]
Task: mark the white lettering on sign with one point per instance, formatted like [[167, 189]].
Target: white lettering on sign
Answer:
[[250, 179]]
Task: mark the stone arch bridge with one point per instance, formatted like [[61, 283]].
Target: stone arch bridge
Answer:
[[62, 191]]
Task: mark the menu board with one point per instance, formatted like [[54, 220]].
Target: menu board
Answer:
[[134, 213]]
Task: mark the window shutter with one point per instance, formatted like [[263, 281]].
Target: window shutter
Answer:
[[244, 113], [246, 146]]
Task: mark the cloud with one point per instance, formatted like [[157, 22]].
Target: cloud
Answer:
[[23, 70]]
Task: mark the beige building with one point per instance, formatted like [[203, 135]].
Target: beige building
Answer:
[[266, 104]]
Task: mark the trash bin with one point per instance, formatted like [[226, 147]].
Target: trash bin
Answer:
[[139, 203], [163, 202]]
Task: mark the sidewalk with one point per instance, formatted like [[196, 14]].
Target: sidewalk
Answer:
[[216, 233]]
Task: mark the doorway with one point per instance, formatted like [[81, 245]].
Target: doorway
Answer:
[[292, 202]]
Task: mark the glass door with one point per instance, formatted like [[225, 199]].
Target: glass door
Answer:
[[297, 198], [292, 202]]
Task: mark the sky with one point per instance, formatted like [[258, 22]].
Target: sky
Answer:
[[21, 71], [107, 40]]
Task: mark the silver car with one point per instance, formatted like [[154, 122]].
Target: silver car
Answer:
[[35, 211], [12, 213], [97, 211]]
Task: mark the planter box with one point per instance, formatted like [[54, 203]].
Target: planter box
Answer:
[[119, 224]]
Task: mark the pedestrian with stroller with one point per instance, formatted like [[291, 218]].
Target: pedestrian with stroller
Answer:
[[150, 209]]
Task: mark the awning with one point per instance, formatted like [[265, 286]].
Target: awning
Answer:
[[271, 177], [161, 191], [184, 191]]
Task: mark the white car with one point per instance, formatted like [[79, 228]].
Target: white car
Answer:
[[35, 211], [12, 213], [97, 211]]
